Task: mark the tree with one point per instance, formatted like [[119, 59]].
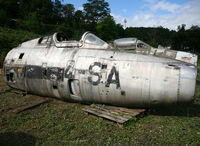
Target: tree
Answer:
[[45, 12], [68, 14], [79, 19], [33, 23], [108, 29], [79, 26], [10, 7], [44, 9], [57, 11], [68, 11], [95, 12], [3, 17], [193, 38], [180, 38], [120, 31], [66, 30]]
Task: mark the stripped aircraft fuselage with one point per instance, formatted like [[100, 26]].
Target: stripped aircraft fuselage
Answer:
[[91, 71]]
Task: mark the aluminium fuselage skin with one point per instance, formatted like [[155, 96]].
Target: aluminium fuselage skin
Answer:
[[92, 75]]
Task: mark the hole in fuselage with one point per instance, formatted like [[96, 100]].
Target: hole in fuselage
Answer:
[[104, 66], [7, 77], [123, 93], [70, 86], [74, 88], [21, 55], [55, 87]]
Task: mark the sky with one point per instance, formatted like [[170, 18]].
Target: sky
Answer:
[[151, 13]]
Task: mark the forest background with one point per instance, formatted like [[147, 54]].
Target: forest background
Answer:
[[22, 20]]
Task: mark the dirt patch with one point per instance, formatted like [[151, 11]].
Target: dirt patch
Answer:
[[57, 101]]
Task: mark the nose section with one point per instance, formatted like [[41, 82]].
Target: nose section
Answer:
[[187, 83]]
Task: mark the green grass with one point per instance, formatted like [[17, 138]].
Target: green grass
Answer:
[[65, 123]]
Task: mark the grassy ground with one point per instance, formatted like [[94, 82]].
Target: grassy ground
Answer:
[[60, 123]]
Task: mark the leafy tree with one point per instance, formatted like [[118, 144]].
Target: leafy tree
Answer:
[[10, 38], [65, 29], [44, 9], [179, 38], [57, 11], [153, 36], [68, 14], [10, 7], [68, 11], [45, 12], [79, 19], [33, 23], [3, 17], [48, 16], [95, 12], [108, 29], [120, 31], [194, 38]]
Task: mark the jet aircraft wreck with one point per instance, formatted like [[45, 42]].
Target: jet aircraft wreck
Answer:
[[127, 73]]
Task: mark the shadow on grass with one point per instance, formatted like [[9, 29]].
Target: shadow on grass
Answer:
[[6, 91], [11, 90], [192, 110], [17, 139]]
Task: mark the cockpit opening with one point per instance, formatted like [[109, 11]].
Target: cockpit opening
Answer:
[[61, 37], [142, 45], [45, 40], [88, 40]]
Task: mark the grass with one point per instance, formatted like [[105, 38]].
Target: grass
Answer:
[[61, 123]]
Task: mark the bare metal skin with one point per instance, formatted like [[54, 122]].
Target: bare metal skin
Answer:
[[129, 73]]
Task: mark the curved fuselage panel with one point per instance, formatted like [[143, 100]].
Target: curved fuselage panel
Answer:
[[100, 76]]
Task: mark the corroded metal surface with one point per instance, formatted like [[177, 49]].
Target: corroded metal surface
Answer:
[[90, 70], [135, 45]]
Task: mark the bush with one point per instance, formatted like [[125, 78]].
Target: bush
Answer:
[[3, 18], [10, 38]]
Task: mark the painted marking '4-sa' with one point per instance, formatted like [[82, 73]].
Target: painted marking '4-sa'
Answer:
[[113, 77]]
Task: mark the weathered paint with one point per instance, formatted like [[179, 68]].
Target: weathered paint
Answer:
[[135, 45], [88, 72]]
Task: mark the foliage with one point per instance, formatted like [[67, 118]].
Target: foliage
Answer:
[[3, 17], [95, 12], [187, 39], [47, 16], [33, 23], [12, 38], [108, 29], [153, 36], [11, 7]]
